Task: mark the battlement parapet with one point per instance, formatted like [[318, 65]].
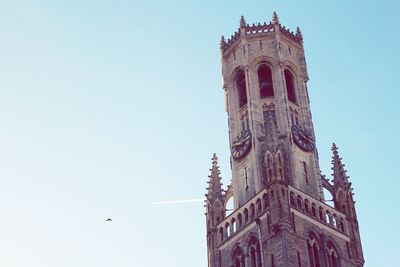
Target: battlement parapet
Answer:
[[260, 29]]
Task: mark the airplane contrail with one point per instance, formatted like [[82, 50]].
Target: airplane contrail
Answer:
[[177, 201]]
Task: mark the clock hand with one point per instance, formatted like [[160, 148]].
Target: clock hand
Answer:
[[305, 137], [237, 144], [308, 138]]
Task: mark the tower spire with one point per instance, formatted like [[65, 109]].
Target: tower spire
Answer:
[[339, 173], [214, 183]]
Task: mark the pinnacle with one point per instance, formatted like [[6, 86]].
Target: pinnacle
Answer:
[[339, 173], [275, 18], [300, 35], [222, 43], [242, 22]]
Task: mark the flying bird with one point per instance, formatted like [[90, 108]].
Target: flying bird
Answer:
[[108, 220]]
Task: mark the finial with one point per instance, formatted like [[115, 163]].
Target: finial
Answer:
[[275, 18], [334, 149], [222, 42], [242, 22], [214, 159], [299, 35]]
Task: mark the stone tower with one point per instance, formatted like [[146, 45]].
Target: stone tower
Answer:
[[280, 218]]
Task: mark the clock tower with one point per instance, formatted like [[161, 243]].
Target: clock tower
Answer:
[[280, 217]]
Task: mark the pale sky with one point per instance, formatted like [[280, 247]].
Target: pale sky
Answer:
[[107, 107]]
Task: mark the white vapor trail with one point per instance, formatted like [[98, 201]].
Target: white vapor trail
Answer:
[[177, 201]]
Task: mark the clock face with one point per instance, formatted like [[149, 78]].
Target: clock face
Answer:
[[302, 138], [241, 145]]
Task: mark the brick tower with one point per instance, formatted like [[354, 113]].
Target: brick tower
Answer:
[[280, 218]]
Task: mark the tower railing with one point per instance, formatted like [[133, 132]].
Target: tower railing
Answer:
[[317, 210], [243, 216]]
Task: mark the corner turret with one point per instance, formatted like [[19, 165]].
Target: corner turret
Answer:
[[214, 189], [340, 179], [215, 209], [343, 199]]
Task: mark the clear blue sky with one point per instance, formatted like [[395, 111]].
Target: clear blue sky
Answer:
[[107, 106]]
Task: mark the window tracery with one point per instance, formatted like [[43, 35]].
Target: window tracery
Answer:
[[332, 255], [254, 253], [238, 258], [313, 251]]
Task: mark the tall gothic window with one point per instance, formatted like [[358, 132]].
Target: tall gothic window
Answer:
[[241, 88], [292, 203], [289, 80], [313, 251], [238, 258], [265, 81], [254, 253], [332, 255]]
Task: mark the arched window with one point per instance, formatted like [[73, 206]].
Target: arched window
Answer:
[[342, 225], [265, 81], [289, 80], [229, 204], [233, 225], [292, 203], [240, 222], [332, 255], [328, 217], [241, 88], [335, 221], [246, 215], [227, 230], [252, 211], [265, 201], [238, 258], [313, 251], [313, 210], [321, 214], [299, 203], [306, 206], [259, 206], [254, 253]]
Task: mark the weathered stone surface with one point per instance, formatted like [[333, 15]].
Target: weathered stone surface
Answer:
[[280, 217]]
